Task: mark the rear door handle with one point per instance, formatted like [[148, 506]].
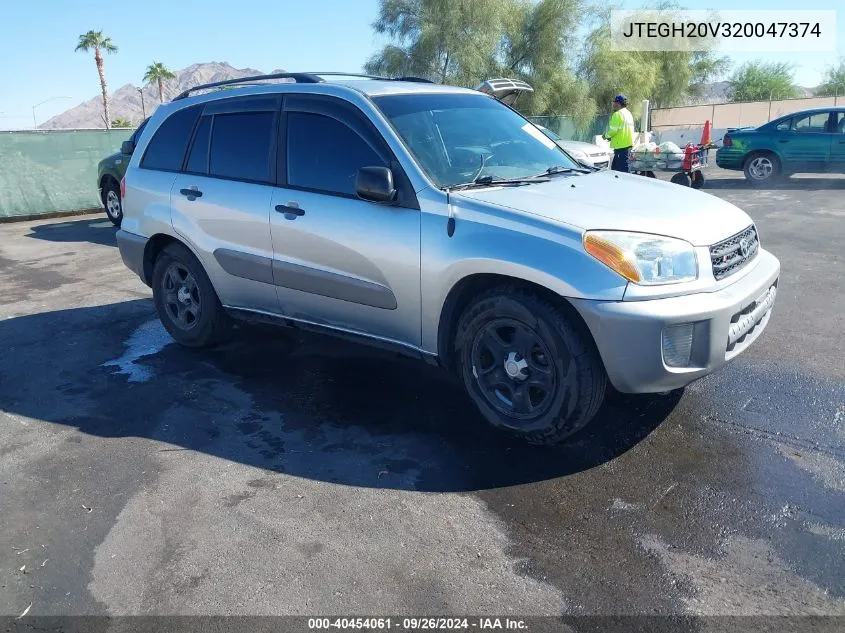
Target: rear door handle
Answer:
[[783, 140], [288, 210], [191, 193]]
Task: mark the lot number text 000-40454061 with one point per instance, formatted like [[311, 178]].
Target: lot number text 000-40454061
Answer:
[[417, 623]]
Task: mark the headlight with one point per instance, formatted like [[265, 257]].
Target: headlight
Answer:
[[648, 260], [577, 154]]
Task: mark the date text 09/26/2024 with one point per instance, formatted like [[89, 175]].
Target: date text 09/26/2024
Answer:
[[417, 624]]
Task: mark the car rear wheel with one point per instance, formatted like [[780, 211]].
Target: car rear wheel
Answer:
[[112, 202], [185, 300], [530, 367], [762, 169]]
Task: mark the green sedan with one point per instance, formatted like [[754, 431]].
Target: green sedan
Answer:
[[807, 141]]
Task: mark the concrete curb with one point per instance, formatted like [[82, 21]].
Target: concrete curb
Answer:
[[48, 216]]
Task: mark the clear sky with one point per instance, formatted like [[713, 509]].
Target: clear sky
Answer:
[[37, 38]]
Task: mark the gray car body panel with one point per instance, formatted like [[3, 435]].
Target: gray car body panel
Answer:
[[385, 272]]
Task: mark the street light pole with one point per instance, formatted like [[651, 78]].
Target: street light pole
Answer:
[[143, 107], [34, 122]]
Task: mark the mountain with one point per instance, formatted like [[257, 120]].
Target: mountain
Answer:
[[125, 103], [717, 92]]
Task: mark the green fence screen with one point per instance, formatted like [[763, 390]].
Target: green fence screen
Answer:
[[52, 171]]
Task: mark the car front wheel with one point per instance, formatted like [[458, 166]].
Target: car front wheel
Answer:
[[529, 365]]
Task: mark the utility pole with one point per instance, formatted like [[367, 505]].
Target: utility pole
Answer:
[[143, 107]]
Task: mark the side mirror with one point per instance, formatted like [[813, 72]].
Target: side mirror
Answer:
[[375, 184], [127, 147]]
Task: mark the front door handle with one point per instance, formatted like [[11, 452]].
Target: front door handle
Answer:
[[191, 193], [783, 140], [290, 210]]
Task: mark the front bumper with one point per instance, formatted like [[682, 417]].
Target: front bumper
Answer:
[[629, 334], [132, 249]]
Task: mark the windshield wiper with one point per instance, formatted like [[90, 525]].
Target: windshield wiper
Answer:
[[560, 169], [490, 181]]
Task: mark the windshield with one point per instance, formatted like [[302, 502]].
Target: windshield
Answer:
[[550, 134], [458, 138]]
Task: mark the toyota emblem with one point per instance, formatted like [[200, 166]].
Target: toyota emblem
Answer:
[[744, 247]]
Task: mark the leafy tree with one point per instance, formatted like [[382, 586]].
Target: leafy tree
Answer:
[[121, 123], [463, 42], [665, 78], [533, 47], [760, 81], [96, 41], [834, 81], [450, 41], [158, 72]]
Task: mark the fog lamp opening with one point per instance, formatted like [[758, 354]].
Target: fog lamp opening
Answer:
[[677, 344]]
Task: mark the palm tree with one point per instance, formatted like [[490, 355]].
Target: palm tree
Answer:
[[158, 72], [94, 40]]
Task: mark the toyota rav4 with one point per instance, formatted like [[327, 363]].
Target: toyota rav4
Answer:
[[438, 221]]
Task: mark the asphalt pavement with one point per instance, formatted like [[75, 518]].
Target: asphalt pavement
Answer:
[[286, 473]]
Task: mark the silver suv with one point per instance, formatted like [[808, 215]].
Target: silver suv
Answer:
[[438, 221]]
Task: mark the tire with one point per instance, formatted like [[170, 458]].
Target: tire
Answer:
[[762, 169], [698, 180], [182, 288], [112, 202], [561, 379], [682, 178]]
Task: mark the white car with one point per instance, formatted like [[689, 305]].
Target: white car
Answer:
[[587, 153], [508, 91]]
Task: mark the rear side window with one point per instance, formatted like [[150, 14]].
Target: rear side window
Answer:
[[325, 155], [198, 158], [813, 123], [241, 146], [166, 150]]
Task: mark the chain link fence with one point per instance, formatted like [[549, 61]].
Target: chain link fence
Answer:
[[567, 129]]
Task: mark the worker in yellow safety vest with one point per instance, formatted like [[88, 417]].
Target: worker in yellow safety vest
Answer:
[[620, 133]]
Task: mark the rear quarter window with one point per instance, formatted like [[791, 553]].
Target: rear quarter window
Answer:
[[166, 150]]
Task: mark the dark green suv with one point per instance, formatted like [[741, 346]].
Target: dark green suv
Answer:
[[110, 171], [807, 141]]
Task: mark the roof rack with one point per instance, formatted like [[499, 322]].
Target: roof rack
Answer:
[[300, 78]]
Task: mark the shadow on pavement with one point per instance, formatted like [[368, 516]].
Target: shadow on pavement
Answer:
[[96, 231], [306, 405]]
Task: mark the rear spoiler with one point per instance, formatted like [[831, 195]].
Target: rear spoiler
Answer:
[[505, 90]]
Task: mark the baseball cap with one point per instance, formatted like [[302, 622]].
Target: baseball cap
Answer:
[[620, 99]]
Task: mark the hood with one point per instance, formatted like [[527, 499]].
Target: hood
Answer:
[[624, 202], [581, 146]]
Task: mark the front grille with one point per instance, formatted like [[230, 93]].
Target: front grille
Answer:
[[730, 255]]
